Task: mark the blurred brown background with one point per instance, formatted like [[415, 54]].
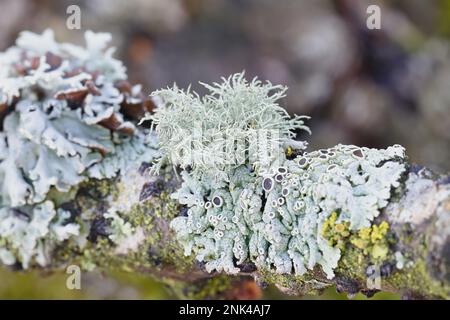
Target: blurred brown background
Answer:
[[366, 87]]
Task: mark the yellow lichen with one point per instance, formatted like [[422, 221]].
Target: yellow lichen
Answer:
[[371, 240], [289, 151], [335, 233]]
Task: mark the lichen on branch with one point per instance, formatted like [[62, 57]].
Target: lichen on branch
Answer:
[[67, 116], [219, 188], [268, 212]]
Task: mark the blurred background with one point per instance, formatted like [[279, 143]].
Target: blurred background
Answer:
[[365, 87]]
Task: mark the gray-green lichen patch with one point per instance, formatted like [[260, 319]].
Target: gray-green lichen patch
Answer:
[[269, 215], [68, 116], [275, 219], [422, 198]]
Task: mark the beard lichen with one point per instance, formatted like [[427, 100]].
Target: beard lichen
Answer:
[[212, 134], [267, 211]]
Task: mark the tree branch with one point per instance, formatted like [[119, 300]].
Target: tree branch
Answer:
[[59, 204], [419, 223]]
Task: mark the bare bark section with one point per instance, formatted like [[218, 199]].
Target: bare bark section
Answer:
[[416, 265]]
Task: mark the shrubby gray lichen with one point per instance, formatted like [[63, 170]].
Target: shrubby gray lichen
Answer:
[[270, 215], [66, 115], [211, 134]]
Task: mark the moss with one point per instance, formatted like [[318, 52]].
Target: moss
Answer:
[[353, 264], [360, 248], [99, 188], [371, 246], [153, 216], [101, 255], [295, 284], [417, 282], [204, 289], [156, 252], [59, 197], [289, 152]]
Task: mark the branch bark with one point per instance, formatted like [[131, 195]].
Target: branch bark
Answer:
[[419, 227]]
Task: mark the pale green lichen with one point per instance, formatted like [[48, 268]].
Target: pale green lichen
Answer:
[[120, 229], [401, 262], [213, 134], [270, 215], [65, 118]]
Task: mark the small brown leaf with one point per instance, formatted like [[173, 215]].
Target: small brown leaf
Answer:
[[136, 110], [244, 290], [115, 124], [133, 109], [111, 123], [77, 95]]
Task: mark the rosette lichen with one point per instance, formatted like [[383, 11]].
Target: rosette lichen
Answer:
[[66, 115], [269, 215]]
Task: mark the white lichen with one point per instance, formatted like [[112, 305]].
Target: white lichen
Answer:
[[270, 216], [119, 229], [422, 198], [212, 134]]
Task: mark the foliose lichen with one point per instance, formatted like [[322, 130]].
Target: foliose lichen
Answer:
[[67, 115], [31, 232], [271, 215]]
